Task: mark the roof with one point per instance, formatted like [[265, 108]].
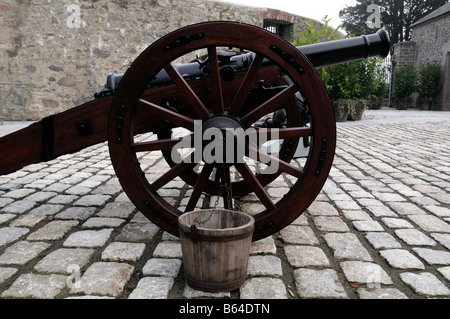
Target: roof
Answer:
[[445, 9]]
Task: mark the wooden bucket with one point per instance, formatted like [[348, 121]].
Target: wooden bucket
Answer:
[[216, 246]]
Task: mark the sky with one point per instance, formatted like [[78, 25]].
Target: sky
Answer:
[[315, 9]]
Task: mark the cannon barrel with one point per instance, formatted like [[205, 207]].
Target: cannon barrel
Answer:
[[347, 50], [320, 55]]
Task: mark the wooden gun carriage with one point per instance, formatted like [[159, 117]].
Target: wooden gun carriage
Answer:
[[245, 78]]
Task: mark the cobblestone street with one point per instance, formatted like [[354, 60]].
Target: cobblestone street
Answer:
[[379, 229]]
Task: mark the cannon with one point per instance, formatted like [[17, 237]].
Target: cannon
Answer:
[[244, 84]]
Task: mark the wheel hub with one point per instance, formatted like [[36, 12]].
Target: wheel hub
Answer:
[[223, 141]]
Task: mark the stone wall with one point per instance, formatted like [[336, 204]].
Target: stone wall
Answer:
[[404, 54], [433, 46], [433, 41], [54, 54], [429, 45]]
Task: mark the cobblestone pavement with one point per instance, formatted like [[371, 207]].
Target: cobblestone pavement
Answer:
[[379, 229]]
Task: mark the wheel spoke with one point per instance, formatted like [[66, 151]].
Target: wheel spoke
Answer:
[[254, 183], [270, 160], [159, 145], [199, 187], [193, 100], [269, 106], [216, 85], [217, 175], [242, 93], [174, 172], [170, 116]]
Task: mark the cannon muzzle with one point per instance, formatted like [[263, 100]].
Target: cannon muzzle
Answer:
[[347, 50]]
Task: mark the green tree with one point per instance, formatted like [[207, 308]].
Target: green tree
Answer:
[[396, 16], [313, 35]]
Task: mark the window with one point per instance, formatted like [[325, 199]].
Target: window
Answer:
[[282, 28]]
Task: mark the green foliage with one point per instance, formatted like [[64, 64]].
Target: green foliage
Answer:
[[404, 87], [404, 83], [429, 81], [426, 81], [313, 35], [363, 79], [349, 85], [338, 82]]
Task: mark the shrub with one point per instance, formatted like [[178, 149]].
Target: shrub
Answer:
[[338, 82], [364, 79], [357, 80], [429, 81], [404, 86], [313, 35]]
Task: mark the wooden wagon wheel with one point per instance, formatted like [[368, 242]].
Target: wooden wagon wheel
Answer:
[[226, 105]]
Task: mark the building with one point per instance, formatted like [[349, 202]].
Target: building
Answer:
[[430, 42]]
